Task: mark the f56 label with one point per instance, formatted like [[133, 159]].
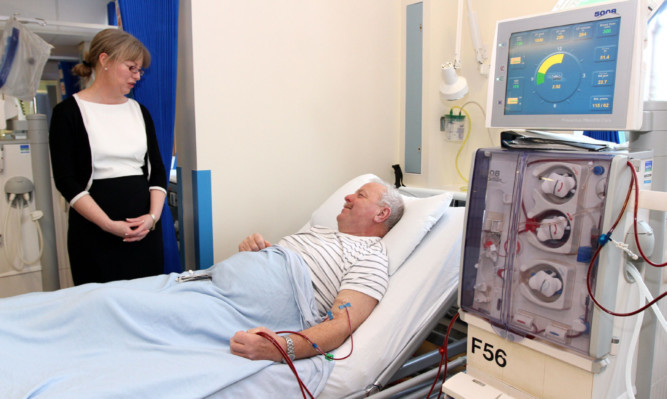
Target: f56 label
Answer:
[[489, 353]]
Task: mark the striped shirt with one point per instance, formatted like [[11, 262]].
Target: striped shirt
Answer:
[[339, 261]]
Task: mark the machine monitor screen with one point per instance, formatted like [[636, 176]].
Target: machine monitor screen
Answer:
[[578, 69]]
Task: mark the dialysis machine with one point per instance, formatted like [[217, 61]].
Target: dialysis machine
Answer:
[[28, 256], [549, 237], [20, 267]]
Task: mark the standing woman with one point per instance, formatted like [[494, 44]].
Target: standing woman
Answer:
[[107, 164]]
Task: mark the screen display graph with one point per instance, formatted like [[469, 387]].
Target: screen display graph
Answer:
[[567, 69]]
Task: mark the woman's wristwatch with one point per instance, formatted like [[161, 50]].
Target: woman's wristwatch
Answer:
[[154, 221]]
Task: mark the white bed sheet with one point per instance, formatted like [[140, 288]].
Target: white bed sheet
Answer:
[[428, 278]]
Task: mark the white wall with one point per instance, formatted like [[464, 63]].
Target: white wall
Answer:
[[291, 99], [284, 101]]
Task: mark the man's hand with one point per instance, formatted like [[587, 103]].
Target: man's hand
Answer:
[[252, 346], [254, 242]]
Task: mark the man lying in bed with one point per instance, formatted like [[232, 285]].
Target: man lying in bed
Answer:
[[346, 266], [172, 336]]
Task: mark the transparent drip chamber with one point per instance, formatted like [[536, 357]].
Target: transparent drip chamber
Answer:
[[534, 220]]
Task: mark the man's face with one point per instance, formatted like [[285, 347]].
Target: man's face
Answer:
[[362, 209]]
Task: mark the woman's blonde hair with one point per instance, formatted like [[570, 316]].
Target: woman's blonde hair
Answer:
[[118, 45]]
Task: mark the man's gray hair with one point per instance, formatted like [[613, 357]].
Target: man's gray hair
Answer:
[[392, 199]]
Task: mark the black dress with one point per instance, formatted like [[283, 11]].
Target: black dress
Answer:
[[100, 257]]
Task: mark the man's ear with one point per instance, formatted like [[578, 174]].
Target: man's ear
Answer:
[[383, 215]]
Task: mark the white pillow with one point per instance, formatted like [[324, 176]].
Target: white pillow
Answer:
[[419, 216]]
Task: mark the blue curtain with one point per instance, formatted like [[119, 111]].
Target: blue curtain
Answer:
[[605, 135], [69, 83], [155, 23]]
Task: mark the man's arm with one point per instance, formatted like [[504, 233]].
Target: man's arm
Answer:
[[328, 335]]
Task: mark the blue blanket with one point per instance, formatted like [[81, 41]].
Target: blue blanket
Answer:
[[158, 338]]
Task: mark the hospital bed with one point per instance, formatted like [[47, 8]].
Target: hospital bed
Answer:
[[424, 251]]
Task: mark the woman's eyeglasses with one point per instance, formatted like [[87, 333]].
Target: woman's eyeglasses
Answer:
[[134, 70]]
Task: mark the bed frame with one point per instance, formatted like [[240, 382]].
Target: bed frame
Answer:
[[412, 376]]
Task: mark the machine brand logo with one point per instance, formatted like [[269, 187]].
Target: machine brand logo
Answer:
[[24, 148], [602, 13]]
